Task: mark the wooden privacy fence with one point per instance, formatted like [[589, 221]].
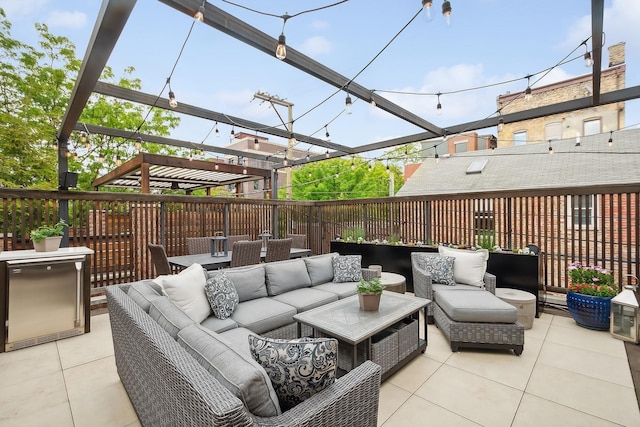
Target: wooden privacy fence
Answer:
[[594, 225]]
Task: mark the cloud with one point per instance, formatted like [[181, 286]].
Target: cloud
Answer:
[[316, 46], [320, 25], [66, 19], [15, 9]]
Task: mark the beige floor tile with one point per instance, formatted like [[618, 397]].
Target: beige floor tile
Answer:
[[471, 396], [583, 362], [438, 347], [544, 318], [31, 362], [32, 396], [535, 411], [579, 337], [415, 373], [54, 416], [586, 394], [108, 407], [539, 330], [89, 378], [501, 366], [419, 412], [391, 398], [88, 347]]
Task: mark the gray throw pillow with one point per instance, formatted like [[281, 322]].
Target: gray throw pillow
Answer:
[[222, 295], [298, 368], [440, 268], [347, 268]]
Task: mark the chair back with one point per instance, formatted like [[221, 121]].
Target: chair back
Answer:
[[159, 259], [237, 238], [198, 245], [299, 241], [278, 249], [245, 252]]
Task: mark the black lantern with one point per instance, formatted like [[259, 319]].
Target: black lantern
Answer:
[[219, 246]]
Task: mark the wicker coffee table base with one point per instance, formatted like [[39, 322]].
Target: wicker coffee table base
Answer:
[[480, 335]]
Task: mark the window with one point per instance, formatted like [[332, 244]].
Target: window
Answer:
[[553, 131], [591, 127], [520, 138], [461, 146], [582, 210], [256, 185]]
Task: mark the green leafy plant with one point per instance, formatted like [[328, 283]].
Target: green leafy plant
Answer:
[[486, 240], [591, 280], [372, 286], [42, 232], [355, 234]]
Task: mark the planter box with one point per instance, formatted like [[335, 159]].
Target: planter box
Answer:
[[48, 244]]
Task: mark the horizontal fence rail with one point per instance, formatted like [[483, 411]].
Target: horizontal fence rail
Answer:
[[594, 225]]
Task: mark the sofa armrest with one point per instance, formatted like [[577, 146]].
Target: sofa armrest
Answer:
[[421, 279], [490, 282], [351, 401]]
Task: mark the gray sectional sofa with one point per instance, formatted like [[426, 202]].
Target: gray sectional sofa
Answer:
[[179, 372]]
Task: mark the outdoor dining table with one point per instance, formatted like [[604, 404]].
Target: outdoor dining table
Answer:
[[214, 262]]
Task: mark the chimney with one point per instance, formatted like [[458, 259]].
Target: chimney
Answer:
[[616, 54]]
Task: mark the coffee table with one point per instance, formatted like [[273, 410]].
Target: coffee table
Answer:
[[351, 326]]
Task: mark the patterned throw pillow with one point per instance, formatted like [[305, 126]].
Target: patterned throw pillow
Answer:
[[347, 268], [222, 295], [440, 268], [298, 368]]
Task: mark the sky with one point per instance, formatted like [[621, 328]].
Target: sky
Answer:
[[486, 43]]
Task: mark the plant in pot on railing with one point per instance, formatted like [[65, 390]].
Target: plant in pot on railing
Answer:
[[369, 293], [589, 295], [47, 238]]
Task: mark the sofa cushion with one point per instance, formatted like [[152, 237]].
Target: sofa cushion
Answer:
[[169, 316], [238, 338], [342, 290], [297, 368], [469, 266], [186, 290], [475, 306], [440, 268], [347, 268], [263, 314], [222, 295], [306, 298], [143, 293], [320, 268], [249, 281], [236, 370], [219, 325], [283, 276]]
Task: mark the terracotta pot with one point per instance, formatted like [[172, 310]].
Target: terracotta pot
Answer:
[[48, 244], [369, 301]]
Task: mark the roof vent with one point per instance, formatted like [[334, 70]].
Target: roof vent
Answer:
[[476, 166]]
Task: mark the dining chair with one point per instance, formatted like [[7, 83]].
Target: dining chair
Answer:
[[299, 241], [245, 252], [278, 249], [159, 259], [236, 238], [199, 245]]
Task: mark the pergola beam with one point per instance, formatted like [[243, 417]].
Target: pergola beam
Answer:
[[597, 17]]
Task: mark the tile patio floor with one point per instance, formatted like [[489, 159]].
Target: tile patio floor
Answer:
[[567, 376]]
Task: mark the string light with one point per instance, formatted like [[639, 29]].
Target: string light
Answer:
[[216, 166], [244, 167], [101, 158], [118, 160], [439, 106], [281, 49], [527, 92], [610, 143], [426, 4], [256, 143], [217, 131], [437, 157], [326, 134], [550, 148], [308, 157], [233, 130], [373, 101], [67, 153], [172, 96], [326, 155], [309, 174], [138, 144], [500, 124], [578, 140], [353, 165], [285, 162], [83, 137], [55, 144], [446, 11], [588, 62], [388, 170], [199, 16], [348, 104]]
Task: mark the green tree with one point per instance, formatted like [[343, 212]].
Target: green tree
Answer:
[[336, 179], [35, 87], [408, 153]]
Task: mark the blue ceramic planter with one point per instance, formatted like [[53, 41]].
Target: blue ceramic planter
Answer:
[[588, 311]]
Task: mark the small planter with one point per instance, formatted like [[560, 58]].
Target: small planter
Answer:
[[591, 312], [369, 301], [48, 244]]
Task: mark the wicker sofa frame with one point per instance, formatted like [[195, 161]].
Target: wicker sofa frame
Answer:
[[168, 387]]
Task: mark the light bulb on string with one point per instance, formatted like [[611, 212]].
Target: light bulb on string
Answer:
[[437, 157], [309, 174], [426, 5], [67, 153], [101, 158], [173, 103], [281, 50], [500, 124], [216, 166], [308, 157], [388, 170], [118, 160], [138, 144], [446, 11], [550, 148], [326, 155], [527, 92], [353, 165], [217, 131], [199, 16], [55, 144], [370, 167], [348, 104], [233, 130], [256, 143], [75, 156], [373, 101], [87, 143], [83, 137], [439, 106], [610, 142], [285, 162], [588, 62], [326, 133]]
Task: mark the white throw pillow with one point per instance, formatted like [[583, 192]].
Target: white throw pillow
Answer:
[[186, 290], [469, 266]]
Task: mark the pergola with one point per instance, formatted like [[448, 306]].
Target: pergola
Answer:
[[113, 17]]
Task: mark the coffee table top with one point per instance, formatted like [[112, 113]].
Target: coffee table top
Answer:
[[345, 321]]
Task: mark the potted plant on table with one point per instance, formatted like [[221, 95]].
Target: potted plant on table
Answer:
[[369, 293], [47, 238], [589, 295]]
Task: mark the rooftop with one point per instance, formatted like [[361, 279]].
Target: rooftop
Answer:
[[73, 382]]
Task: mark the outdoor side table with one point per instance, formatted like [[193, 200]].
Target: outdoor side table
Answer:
[[393, 282], [524, 301]]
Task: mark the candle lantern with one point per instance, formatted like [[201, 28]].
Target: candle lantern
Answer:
[[219, 246], [265, 235], [624, 315]]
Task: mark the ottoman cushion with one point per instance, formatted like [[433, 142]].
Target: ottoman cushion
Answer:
[[475, 306]]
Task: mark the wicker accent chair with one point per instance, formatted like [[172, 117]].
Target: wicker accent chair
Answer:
[[237, 238], [246, 253], [199, 245], [159, 259], [278, 249], [299, 241]]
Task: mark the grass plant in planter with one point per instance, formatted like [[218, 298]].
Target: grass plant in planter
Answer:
[[369, 293], [47, 238]]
